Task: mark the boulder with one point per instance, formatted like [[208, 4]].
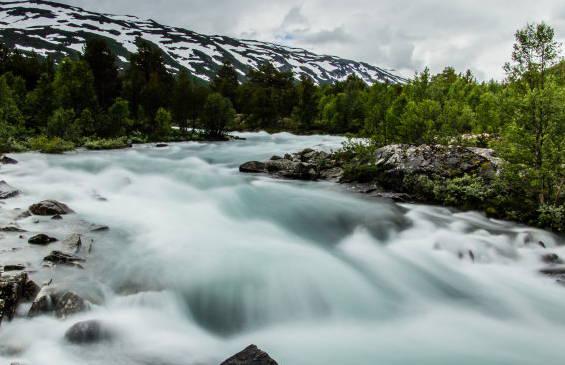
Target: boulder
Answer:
[[61, 258], [552, 259], [61, 303], [5, 160], [161, 145], [73, 243], [250, 356], [7, 191], [399, 160], [292, 169], [88, 332], [14, 289], [99, 228], [13, 267], [12, 229], [41, 240], [57, 217], [50, 208], [252, 167]]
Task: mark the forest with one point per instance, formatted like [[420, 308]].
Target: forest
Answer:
[[88, 101]]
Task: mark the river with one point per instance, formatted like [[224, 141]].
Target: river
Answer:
[[201, 261]]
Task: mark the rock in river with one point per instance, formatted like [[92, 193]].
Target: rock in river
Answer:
[[41, 240], [250, 356], [7, 191], [50, 207], [61, 258], [88, 332], [5, 160], [62, 303], [15, 289]]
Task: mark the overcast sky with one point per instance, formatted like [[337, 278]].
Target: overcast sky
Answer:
[[405, 35]]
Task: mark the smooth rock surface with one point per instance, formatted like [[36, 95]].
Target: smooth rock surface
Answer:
[[250, 356], [50, 208]]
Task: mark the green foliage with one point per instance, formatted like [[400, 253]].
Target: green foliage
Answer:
[[162, 125], [217, 114], [106, 144], [552, 216], [53, 145]]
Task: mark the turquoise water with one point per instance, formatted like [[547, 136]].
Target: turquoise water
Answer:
[[202, 261]]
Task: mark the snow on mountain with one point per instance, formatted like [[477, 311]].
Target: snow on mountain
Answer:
[[50, 28]]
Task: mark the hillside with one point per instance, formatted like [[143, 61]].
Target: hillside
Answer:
[[49, 28]]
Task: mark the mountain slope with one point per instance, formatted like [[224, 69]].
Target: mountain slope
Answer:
[[61, 30]]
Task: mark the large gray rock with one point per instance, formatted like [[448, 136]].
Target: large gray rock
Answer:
[[41, 240], [61, 303], [61, 258], [50, 208], [88, 332], [5, 160], [15, 289], [438, 160], [252, 167], [250, 356], [305, 165], [7, 191]]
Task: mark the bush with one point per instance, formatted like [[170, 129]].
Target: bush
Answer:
[[552, 216], [53, 145], [468, 192], [106, 144]]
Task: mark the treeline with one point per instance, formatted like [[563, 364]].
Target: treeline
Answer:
[[82, 100]]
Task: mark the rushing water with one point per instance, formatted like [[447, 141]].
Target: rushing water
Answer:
[[202, 261]]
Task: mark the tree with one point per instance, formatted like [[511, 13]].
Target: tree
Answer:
[[102, 63], [306, 109], [226, 82], [40, 104], [162, 125], [181, 100], [60, 122], [539, 107], [74, 86], [119, 118], [11, 118], [218, 112]]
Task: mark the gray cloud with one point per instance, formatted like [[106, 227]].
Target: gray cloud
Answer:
[[405, 35]]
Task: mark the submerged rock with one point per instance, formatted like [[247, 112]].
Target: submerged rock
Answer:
[[88, 332], [12, 229], [7, 191], [41, 240], [61, 258], [250, 356], [13, 267], [161, 145], [552, 259], [50, 207], [61, 303], [5, 160]]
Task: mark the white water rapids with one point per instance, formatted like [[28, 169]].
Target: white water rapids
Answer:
[[202, 261]]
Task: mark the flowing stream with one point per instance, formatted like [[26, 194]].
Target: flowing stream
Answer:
[[201, 261]]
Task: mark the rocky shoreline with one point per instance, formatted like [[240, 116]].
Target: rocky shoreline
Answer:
[[22, 297], [393, 172]]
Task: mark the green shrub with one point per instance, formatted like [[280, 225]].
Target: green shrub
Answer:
[[468, 192], [53, 145], [552, 216], [107, 144]]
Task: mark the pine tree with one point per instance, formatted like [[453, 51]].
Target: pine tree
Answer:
[[103, 64]]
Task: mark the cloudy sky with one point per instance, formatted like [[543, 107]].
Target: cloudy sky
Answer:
[[405, 35]]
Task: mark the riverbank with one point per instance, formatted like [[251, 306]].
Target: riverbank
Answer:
[[467, 178]]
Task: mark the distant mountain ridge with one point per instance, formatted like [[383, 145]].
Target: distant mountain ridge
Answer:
[[50, 28]]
